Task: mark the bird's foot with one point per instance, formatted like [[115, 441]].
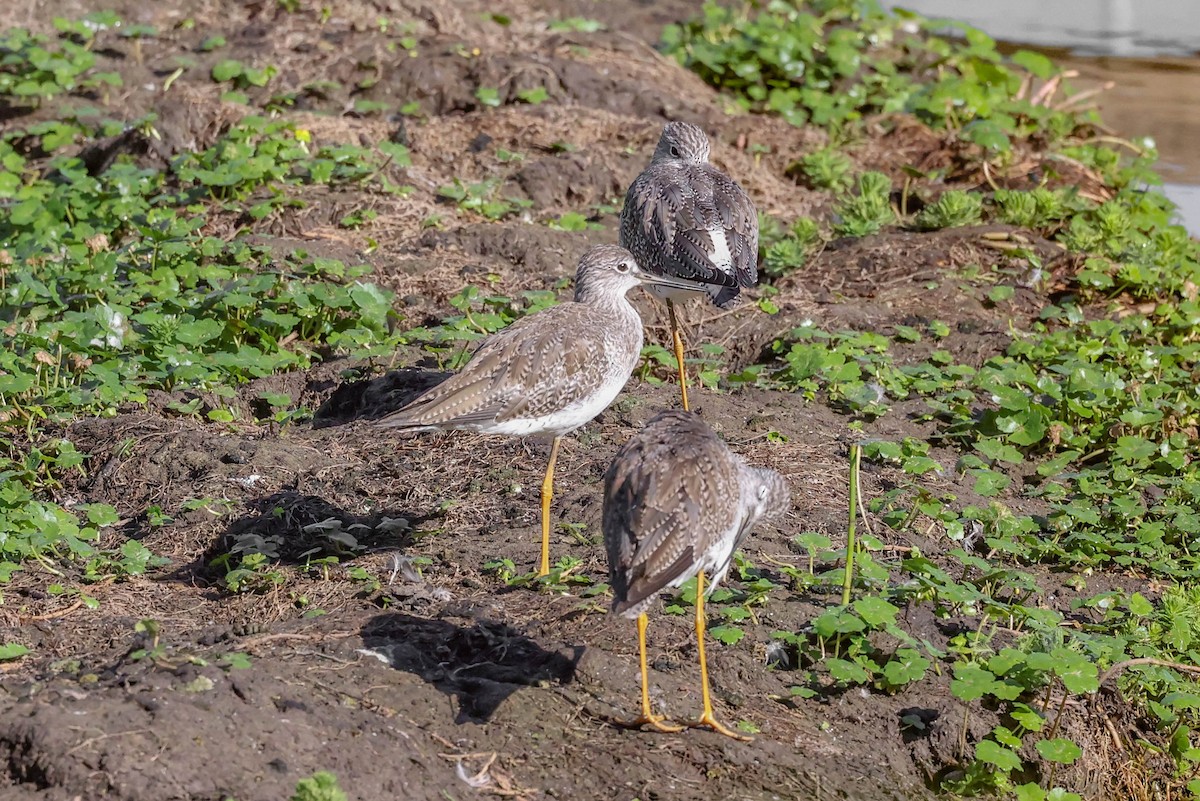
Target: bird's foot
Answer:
[[707, 721], [656, 722]]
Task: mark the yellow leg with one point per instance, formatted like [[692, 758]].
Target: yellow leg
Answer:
[[647, 718], [706, 717], [547, 495], [678, 341]]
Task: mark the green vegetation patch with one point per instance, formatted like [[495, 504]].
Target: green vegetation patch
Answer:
[[1075, 440], [111, 285], [834, 62]]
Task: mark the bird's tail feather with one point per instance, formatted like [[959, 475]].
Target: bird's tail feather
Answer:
[[725, 297]]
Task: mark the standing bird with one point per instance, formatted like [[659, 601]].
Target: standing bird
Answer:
[[677, 504], [549, 373], [685, 218]]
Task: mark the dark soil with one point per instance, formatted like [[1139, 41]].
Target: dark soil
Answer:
[[454, 685]]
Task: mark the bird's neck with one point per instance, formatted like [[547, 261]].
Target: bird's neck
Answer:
[[604, 299]]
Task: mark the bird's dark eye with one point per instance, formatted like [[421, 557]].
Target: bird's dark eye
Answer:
[[674, 152], [623, 267]]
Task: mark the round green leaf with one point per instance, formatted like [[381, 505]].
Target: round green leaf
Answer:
[[1060, 750], [991, 752]]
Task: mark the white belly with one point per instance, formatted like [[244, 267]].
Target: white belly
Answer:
[[677, 296], [715, 562], [569, 418]]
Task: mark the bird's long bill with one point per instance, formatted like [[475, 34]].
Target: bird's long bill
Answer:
[[673, 283]]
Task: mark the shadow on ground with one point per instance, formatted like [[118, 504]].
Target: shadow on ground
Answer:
[[372, 399], [481, 665]]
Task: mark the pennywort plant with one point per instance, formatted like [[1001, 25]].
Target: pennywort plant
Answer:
[[832, 63], [111, 287]]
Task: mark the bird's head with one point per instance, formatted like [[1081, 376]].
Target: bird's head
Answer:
[[606, 272], [682, 142], [771, 498]]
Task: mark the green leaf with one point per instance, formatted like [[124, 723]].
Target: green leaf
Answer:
[[101, 514], [1078, 673], [1000, 293], [747, 727], [570, 221], [136, 558], [1181, 700], [321, 786], [1059, 794], [1030, 792], [730, 635], [398, 153], [991, 752], [12, 650], [847, 672], [1010, 399], [837, 621], [1005, 661], [875, 611], [1060, 750], [1036, 63], [736, 614], [372, 301], [1139, 606], [1027, 717], [227, 70], [488, 96], [990, 483], [987, 134], [197, 332], [1004, 736], [276, 400], [971, 682], [905, 667], [1134, 450], [1054, 466], [535, 96], [235, 660], [579, 24], [997, 450]]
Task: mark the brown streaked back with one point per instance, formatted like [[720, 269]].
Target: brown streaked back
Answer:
[[677, 500], [537, 366]]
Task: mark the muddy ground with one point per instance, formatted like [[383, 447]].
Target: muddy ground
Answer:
[[453, 685]]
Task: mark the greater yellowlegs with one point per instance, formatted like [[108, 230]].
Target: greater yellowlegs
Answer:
[[677, 504], [685, 218], [549, 373]]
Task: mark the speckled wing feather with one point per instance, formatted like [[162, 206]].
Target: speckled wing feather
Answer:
[[669, 213], [670, 493], [537, 366]]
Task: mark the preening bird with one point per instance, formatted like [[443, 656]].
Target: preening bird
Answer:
[[678, 503]]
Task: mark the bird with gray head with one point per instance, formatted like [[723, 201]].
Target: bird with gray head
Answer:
[[678, 503], [549, 373], [686, 219]]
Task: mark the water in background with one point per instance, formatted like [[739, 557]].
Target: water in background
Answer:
[[1146, 48]]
